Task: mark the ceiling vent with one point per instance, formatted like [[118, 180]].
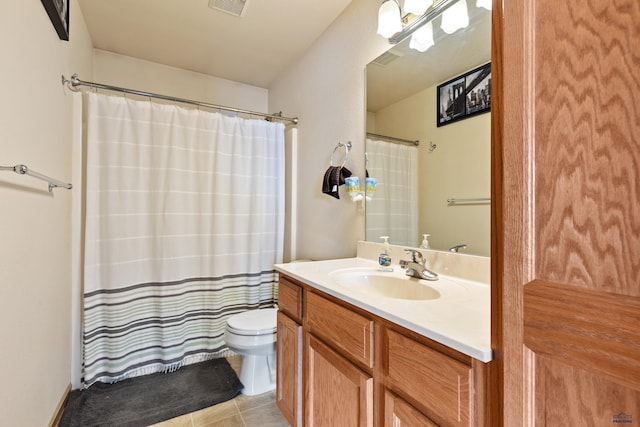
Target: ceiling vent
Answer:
[[233, 7], [386, 58]]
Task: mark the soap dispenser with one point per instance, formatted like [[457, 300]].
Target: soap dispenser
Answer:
[[425, 241], [384, 259]]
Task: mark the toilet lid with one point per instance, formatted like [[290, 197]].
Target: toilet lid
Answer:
[[254, 322]]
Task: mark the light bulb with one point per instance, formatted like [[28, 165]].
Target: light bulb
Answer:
[[455, 18], [422, 39], [484, 3], [389, 19], [417, 7]]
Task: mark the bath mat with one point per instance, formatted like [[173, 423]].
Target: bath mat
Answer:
[[149, 399]]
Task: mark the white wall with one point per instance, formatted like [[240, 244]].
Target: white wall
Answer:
[[133, 73], [35, 272], [326, 90]]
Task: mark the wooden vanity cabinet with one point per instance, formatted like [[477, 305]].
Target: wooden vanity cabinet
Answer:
[[361, 370]]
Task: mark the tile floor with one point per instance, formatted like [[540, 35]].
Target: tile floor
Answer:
[[242, 411]]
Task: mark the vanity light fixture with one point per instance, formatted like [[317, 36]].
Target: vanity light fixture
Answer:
[[395, 26], [422, 39], [417, 7], [389, 18], [455, 18]]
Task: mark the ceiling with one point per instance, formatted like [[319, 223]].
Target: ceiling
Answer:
[[253, 48]]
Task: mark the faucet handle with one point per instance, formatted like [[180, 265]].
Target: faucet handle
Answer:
[[457, 248], [416, 256]]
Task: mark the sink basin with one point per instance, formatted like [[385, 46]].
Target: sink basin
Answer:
[[386, 284]]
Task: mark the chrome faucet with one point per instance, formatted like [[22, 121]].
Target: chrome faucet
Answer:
[[416, 267], [457, 248]]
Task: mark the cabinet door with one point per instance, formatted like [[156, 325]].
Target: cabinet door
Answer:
[[398, 413], [289, 369], [337, 392]]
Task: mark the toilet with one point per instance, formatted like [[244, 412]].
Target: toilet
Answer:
[[252, 334]]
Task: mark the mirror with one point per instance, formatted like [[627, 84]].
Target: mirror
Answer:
[[452, 161]]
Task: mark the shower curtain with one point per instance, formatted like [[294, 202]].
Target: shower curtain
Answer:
[[393, 210], [184, 221]]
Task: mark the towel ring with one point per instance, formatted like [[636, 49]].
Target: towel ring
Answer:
[[347, 148]]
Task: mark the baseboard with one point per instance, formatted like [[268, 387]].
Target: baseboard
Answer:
[[57, 415]]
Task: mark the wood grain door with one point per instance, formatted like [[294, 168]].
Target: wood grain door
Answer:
[[566, 191]]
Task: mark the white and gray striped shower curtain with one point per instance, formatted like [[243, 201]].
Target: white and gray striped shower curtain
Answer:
[[393, 209], [184, 221]]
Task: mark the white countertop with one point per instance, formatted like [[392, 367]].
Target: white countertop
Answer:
[[460, 318]]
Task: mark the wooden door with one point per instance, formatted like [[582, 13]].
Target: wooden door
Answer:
[[566, 200], [337, 392]]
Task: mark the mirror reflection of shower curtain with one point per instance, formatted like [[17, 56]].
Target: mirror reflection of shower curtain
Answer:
[[184, 221], [393, 211]]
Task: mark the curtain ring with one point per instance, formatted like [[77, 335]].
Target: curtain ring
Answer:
[[347, 148]]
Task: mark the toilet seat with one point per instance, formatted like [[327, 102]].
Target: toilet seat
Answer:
[[253, 322]]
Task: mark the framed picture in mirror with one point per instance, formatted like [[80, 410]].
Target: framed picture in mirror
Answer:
[[464, 96], [58, 11]]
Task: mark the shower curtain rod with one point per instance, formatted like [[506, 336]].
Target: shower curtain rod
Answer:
[[393, 138], [75, 81]]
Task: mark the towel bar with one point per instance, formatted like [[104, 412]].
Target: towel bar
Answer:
[[476, 200], [24, 170]]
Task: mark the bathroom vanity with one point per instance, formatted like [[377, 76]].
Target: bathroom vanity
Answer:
[[351, 357]]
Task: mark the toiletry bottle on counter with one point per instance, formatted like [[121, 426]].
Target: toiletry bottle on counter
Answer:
[[384, 259], [425, 241]]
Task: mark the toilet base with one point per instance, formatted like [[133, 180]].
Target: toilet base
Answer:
[[258, 374]]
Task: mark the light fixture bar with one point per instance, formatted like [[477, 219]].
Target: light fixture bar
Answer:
[[421, 20]]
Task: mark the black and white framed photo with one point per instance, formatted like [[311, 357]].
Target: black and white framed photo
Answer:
[[451, 101], [478, 85], [58, 11], [464, 96]]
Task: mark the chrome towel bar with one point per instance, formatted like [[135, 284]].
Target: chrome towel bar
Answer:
[[24, 170], [476, 200]]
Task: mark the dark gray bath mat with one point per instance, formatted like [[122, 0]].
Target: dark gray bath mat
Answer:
[[150, 399]]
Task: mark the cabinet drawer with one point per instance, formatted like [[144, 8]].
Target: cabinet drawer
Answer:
[[290, 298], [340, 327], [438, 384]]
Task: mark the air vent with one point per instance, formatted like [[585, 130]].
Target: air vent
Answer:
[[233, 7], [386, 58]]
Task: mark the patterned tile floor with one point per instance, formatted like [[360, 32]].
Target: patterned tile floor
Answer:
[[242, 411]]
